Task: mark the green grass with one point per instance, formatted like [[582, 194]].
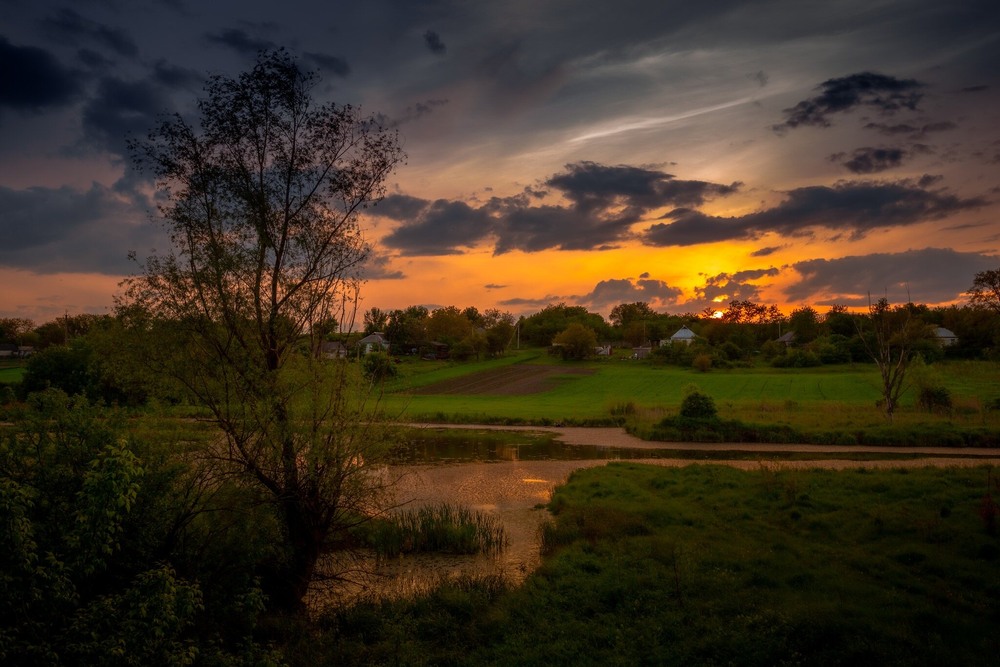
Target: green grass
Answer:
[[806, 399], [708, 565], [11, 374]]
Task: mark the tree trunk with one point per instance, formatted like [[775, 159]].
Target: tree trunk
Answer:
[[304, 543]]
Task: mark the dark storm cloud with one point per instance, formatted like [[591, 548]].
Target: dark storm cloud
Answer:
[[604, 202], [856, 207], [931, 275], [911, 131], [437, 228], [532, 303], [764, 252], [240, 41], [50, 230], [592, 186], [327, 63], [420, 109], [172, 76], [611, 292], [403, 208], [870, 160], [31, 79], [885, 94], [121, 109], [434, 43], [93, 60], [67, 26], [725, 287], [378, 267]]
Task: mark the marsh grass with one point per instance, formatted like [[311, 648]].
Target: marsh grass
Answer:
[[443, 528], [708, 565]]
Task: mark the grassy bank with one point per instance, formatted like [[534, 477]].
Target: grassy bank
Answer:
[[709, 565]]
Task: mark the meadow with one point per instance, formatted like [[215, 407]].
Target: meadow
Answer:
[[708, 565], [11, 373], [807, 399]]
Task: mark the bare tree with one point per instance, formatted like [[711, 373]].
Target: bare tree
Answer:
[[890, 343], [261, 198]]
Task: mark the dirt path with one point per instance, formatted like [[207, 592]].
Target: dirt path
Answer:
[[617, 438]]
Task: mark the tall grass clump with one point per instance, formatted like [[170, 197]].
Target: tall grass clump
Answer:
[[443, 528]]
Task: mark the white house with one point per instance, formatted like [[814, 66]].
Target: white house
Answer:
[[945, 337], [375, 342], [682, 335]]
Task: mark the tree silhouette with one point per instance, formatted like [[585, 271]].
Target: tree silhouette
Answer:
[[261, 198]]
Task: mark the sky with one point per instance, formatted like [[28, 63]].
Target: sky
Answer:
[[680, 153]]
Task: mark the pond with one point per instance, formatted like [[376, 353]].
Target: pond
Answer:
[[508, 473]]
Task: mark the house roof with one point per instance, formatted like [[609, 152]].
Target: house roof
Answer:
[[372, 339], [788, 337], [941, 332], [683, 333]]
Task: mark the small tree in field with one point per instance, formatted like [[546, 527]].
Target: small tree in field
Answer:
[[261, 199], [889, 335], [576, 342]]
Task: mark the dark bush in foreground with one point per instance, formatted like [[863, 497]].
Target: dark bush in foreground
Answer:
[[697, 405]]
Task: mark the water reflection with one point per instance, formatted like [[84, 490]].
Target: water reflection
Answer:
[[511, 474], [431, 445]]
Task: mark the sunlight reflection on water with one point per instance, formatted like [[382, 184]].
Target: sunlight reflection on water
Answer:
[[516, 491]]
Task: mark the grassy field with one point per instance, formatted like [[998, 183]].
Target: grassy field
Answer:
[[708, 565], [841, 396], [11, 374]]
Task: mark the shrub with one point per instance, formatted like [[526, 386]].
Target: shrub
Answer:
[[379, 367], [697, 405], [797, 358], [462, 350], [620, 412], [703, 362], [934, 399]]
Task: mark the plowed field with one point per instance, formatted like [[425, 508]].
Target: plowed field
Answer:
[[513, 380]]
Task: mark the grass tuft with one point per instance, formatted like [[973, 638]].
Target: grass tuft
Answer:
[[442, 528]]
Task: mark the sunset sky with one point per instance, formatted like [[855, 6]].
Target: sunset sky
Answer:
[[593, 153]]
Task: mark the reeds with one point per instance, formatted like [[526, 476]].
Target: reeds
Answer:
[[443, 528]]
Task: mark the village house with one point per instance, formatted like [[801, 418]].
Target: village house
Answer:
[[375, 342], [945, 337], [682, 335]]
